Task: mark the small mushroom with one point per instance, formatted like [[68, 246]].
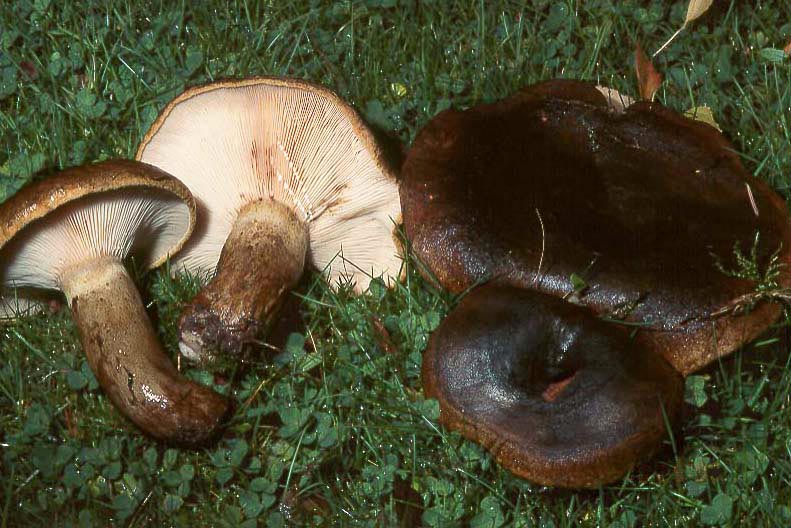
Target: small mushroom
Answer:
[[550, 183], [557, 395], [282, 171], [72, 233]]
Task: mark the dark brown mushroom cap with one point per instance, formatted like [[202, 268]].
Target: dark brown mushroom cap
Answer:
[[558, 396], [636, 202]]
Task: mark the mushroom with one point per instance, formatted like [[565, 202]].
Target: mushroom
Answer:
[[71, 233], [641, 202], [558, 396], [282, 170], [550, 183]]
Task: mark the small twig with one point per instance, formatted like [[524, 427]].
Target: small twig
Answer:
[[752, 198], [543, 245], [671, 39], [748, 300], [27, 481], [138, 510], [260, 386]]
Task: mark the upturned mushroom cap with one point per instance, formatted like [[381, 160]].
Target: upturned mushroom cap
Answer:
[[114, 209], [549, 183], [237, 142], [558, 396]]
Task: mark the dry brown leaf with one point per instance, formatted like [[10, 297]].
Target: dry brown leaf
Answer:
[[616, 101], [695, 9], [648, 79], [29, 70], [787, 49]]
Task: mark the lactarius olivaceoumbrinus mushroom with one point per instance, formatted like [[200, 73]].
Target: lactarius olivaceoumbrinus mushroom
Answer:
[[282, 170], [558, 396], [642, 203], [71, 233]]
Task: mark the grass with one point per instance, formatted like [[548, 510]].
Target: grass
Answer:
[[331, 426]]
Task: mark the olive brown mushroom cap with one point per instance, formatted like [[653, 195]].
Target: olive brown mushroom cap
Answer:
[[287, 140], [643, 204], [558, 396], [115, 208], [71, 233]]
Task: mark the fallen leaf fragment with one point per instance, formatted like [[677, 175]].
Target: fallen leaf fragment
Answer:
[[695, 9], [29, 69], [71, 426], [648, 79], [616, 101], [787, 49], [703, 114], [554, 389]]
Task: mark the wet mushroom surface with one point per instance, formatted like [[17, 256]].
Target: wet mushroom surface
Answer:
[[73, 232], [285, 174], [643, 204], [559, 396], [551, 187]]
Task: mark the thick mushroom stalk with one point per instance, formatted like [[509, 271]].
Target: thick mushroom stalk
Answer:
[[244, 145], [71, 232], [263, 257], [133, 370]]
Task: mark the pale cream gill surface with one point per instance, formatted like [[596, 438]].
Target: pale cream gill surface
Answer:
[[117, 224], [234, 145]]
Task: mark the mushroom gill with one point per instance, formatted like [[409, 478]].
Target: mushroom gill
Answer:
[[284, 172]]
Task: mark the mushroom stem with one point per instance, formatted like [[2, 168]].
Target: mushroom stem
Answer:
[[129, 362], [263, 257]]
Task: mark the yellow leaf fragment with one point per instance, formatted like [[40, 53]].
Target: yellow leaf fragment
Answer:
[[703, 114], [616, 101], [399, 90], [695, 9]]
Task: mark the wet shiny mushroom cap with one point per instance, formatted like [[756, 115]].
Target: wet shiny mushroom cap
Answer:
[[642, 204], [558, 396]]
